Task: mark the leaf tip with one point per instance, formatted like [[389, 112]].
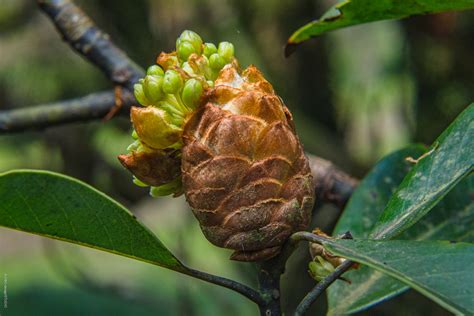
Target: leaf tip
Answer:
[[290, 48]]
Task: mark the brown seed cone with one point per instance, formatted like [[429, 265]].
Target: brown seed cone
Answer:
[[243, 168]]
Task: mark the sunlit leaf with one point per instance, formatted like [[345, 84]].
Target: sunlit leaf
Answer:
[[449, 160], [353, 12], [60, 207]]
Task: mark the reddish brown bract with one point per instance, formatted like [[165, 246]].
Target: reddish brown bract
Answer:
[[243, 169]]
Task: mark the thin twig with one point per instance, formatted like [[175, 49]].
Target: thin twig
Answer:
[[326, 282], [88, 40], [245, 290], [321, 287], [91, 107]]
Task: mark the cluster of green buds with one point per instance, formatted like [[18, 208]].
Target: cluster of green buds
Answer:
[[170, 92]]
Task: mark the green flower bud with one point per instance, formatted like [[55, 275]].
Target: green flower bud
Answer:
[[152, 86], [192, 92], [140, 94], [226, 50], [216, 62], [184, 50], [320, 269], [192, 38], [155, 70], [209, 49], [172, 82]]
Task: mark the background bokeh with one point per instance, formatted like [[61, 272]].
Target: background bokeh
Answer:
[[356, 95]]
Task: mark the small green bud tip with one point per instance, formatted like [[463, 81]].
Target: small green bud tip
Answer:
[[140, 94], [191, 39], [209, 49], [185, 49], [216, 61], [155, 70], [226, 50], [172, 82], [192, 92], [152, 86]]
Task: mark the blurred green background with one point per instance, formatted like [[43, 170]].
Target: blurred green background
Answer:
[[356, 95]]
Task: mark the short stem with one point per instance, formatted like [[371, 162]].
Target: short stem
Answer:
[[246, 291], [299, 236], [269, 287], [321, 287]]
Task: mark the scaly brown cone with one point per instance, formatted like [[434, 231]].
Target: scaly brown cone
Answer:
[[243, 169]]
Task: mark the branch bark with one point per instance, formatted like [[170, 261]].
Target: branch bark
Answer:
[[332, 185], [319, 289], [91, 107], [78, 30], [246, 291]]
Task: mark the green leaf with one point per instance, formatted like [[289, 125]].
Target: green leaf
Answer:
[[451, 219], [56, 206], [372, 194], [441, 270], [353, 12], [450, 159], [368, 286]]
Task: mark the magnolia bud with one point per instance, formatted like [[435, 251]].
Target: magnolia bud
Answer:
[[209, 49], [226, 50], [216, 62], [140, 94], [155, 70], [184, 50], [152, 86], [172, 82], [192, 92], [192, 38]]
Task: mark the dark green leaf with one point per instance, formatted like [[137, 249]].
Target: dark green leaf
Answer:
[[353, 12], [60, 207], [451, 219], [373, 192], [441, 270], [450, 159], [362, 211]]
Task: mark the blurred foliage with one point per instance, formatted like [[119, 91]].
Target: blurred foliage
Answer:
[[356, 94]]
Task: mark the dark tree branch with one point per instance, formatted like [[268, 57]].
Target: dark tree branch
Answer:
[[87, 108], [332, 185], [321, 287], [88, 40], [246, 291], [326, 282]]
